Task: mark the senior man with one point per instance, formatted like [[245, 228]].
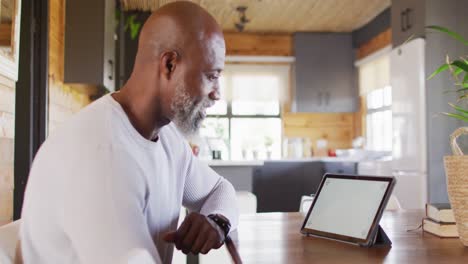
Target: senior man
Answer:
[[114, 177]]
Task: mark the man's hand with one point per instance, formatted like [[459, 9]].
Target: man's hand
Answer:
[[197, 234]]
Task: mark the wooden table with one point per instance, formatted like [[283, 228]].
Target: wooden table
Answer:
[[275, 238]]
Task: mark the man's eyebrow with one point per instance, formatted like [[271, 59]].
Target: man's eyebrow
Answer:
[[217, 70]]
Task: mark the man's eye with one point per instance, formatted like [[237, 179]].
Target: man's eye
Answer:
[[212, 77]]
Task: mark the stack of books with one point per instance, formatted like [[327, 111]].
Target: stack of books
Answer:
[[440, 220]]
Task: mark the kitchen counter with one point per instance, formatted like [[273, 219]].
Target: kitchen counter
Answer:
[[267, 178], [251, 163], [235, 163]]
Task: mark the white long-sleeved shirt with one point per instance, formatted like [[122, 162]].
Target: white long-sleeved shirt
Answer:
[[98, 190]]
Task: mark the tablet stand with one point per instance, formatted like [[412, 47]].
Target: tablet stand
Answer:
[[381, 239]]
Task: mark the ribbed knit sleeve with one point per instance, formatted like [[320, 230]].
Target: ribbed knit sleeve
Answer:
[[208, 193]]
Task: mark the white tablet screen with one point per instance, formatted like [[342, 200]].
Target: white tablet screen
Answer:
[[347, 207]]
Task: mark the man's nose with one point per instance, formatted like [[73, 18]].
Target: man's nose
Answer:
[[214, 94]]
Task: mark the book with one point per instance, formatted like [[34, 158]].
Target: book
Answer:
[[440, 212], [440, 229]]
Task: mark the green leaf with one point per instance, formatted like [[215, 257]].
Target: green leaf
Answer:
[[457, 116], [462, 111], [461, 65], [134, 30], [463, 89], [450, 33], [134, 26], [465, 80], [457, 71], [442, 68]]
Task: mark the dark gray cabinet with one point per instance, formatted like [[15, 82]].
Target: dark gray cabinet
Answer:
[[408, 20], [339, 167], [280, 185], [89, 42], [324, 73]]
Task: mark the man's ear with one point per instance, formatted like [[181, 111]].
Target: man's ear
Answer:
[[168, 63]]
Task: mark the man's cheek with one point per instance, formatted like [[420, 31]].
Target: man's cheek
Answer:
[[205, 87]]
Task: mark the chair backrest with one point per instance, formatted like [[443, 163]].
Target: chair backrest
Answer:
[[306, 203], [393, 204], [9, 237], [247, 202]]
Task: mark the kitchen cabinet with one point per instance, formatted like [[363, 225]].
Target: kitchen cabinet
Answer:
[[90, 42], [279, 185], [324, 73], [339, 167], [408, 20]]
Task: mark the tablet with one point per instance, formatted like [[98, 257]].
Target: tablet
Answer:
[[348, 208]]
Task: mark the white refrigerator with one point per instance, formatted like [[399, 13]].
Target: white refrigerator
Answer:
[[409, 164]]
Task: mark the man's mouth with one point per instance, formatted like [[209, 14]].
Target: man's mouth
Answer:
[[210, 104], [202, 113]]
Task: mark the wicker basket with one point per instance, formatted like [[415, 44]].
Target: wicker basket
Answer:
[[456, 169]]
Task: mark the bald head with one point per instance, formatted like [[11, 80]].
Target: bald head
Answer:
[[180, 26], [181, 53]]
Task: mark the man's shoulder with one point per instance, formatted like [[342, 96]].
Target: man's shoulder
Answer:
[[90, 125]]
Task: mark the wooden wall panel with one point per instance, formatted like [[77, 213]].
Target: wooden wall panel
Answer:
[[258, 44], [7, 134], [64, 100], [6, 205], [337, 128], [5, 34], [376, 43]]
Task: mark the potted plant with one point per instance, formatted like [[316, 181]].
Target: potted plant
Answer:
[[268, 145], [456, 166]]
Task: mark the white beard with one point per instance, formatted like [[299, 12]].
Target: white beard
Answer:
[[188, 116]]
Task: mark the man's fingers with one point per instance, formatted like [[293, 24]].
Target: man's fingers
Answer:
[[191, 235], [206, 247], [199, 241], [182, 231], [197, 234], [184, 227], [170, 237], [217, 243]]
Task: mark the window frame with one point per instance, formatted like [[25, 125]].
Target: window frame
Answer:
[[371, 111], [229, 115]]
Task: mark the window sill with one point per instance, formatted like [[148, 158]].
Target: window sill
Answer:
[[229, 163]]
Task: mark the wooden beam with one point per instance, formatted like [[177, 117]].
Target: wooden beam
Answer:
[[258, 44], [376, 43], [5, 34]]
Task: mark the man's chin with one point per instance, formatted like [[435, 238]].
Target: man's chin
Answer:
[[188, 128]]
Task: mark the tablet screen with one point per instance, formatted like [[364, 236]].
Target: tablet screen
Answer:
[[347, 207]]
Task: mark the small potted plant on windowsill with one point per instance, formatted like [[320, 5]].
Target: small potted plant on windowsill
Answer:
[[268, 145], [456, 166]]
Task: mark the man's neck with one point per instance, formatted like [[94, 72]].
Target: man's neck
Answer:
[[141, 112]]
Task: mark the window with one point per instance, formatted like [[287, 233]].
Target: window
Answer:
[[374, 86], [246, 123]]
